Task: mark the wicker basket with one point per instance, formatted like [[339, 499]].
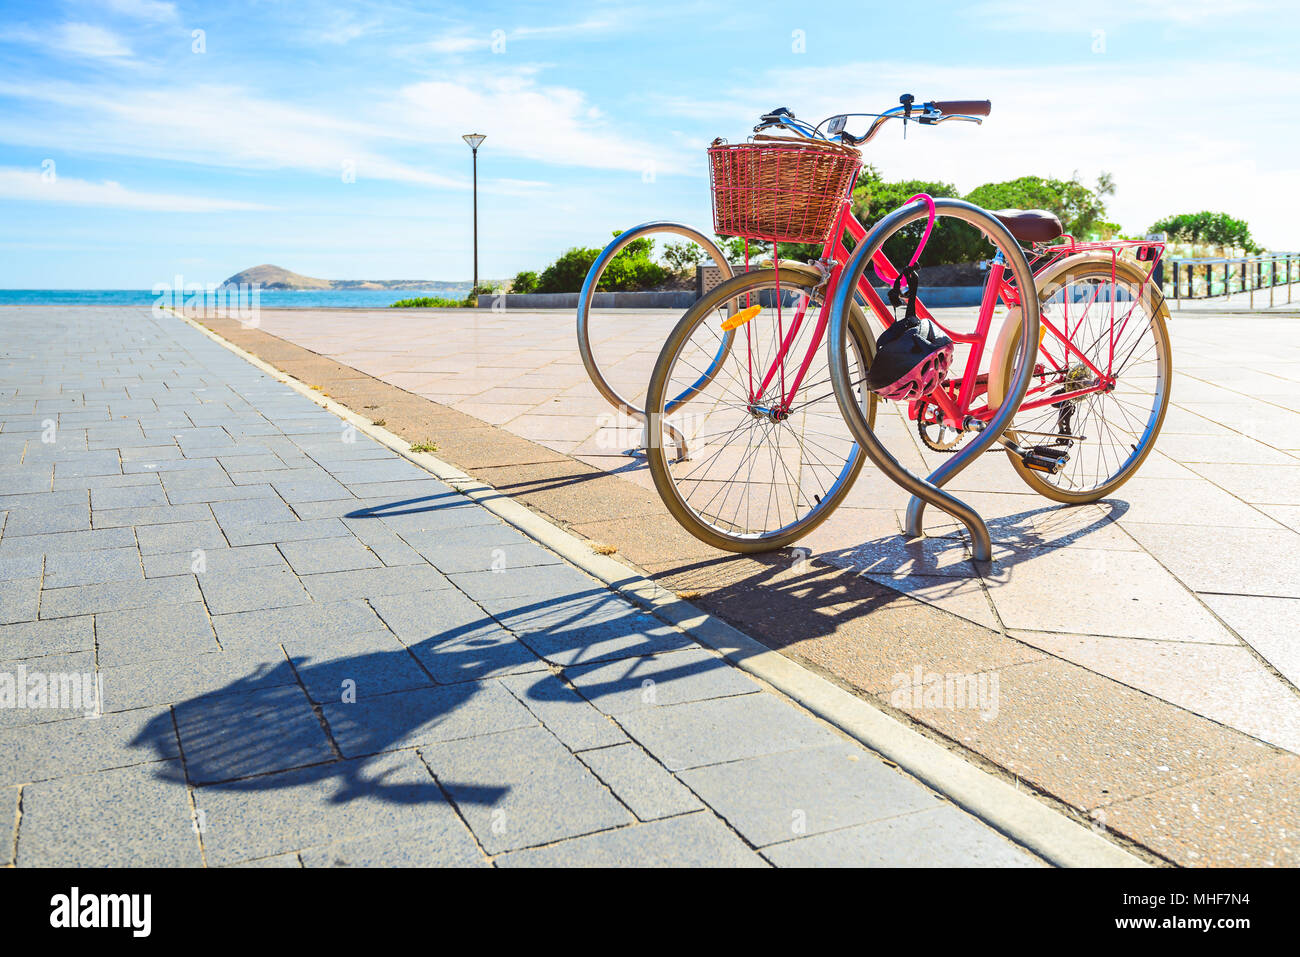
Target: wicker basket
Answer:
[[780, 189]]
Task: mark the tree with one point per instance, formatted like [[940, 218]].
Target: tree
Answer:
[[1080, 209], [631, 269], [949, 242], [1214, 229], [682, 257], [525, 281]]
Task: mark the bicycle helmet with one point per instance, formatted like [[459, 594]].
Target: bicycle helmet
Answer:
[[911, 361], [912, 355]]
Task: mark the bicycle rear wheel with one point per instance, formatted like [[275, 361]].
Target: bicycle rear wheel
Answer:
[[762, 472], [1105, 436]]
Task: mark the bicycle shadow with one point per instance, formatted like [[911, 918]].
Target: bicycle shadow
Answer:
[[291, 714]]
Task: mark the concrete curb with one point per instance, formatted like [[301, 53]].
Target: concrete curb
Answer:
[[1019, 815]]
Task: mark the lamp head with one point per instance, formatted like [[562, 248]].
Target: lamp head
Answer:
[[474, 139]]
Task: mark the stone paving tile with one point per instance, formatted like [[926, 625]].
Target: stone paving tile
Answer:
[[524, 789], [19, 599], [692, 840], [1245, 817], [384, 542], [147, 634], [501, 559], [640, 782], [1246, 561], [171, 679], [181, 536], [666, 679], [115, 596], [131, 817], [699, 733], [295, 531], [453, 638], [200, 560], [1269, 625], [439, 841], [389, 798], [777, 797], [408, 718], [66, 569], [252, 511], [21, 566], [42, 521], [328, 555], [128, 496], [1226, 684], [239, 735], [564, 712], [374, 582], [941, 837], [548, 580], [78, 746], [320, 624], [230, 592], [48, 544], [150, 515], [67, 682], [567, 644], [1139, 601], [34, 639], [356, 668]]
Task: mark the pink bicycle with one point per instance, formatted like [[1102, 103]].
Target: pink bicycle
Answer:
[[1067, 364]]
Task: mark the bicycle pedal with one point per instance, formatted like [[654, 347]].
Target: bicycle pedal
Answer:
[[1043, 459], [740, 318]]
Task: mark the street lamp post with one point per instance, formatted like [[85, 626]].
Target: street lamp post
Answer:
[[474, 139]]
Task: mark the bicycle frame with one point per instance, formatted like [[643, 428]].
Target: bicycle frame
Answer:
[[954, 398]]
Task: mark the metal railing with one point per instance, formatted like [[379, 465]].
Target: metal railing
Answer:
[[1215, 277]]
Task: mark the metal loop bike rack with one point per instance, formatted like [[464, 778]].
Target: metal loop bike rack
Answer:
[[929, 491], [588, 293]]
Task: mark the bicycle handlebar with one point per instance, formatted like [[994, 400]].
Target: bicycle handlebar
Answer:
[[929, 113], [964, 107]]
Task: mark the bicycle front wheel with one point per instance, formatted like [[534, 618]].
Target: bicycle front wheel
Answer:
[[767, 463]]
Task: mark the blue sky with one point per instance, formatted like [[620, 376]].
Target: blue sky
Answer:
[[133, 148]]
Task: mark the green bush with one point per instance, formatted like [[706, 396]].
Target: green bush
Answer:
[[525, 281], [426, 302], [631, 269], [1214, 229]]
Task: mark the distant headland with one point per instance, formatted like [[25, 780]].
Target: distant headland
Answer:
[[275, 277]]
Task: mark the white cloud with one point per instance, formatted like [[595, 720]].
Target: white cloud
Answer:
[[210, 125], [1035, 16], [152, 10], [525, 118], [462, 40], [30, 185], [77, 39], [1168, 153]]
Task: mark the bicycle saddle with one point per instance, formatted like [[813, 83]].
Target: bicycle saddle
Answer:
[[1030, 225]]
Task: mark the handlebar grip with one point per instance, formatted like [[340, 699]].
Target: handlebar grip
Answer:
[[963, 107]]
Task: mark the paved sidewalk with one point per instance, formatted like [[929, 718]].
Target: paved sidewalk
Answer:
[[1169, 607], [313, 653]]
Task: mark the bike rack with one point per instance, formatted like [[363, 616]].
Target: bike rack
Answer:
[[588, 293], [929, 491]]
